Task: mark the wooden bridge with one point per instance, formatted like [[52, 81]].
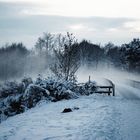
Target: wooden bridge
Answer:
[[106, 89]]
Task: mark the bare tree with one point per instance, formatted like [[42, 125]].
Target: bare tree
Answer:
[[67, 58], [46, 42]]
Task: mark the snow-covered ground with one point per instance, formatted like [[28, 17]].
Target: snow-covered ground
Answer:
[[99, 117]]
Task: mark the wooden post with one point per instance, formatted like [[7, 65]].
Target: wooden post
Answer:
[[109, 92], [89, 79], [113, 90]]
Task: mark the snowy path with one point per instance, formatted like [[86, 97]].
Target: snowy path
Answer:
[[130, 108], [99, 118]]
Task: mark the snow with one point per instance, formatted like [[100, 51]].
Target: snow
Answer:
[[99, 117], [16, 98]]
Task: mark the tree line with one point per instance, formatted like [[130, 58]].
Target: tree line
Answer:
[[63, 55]]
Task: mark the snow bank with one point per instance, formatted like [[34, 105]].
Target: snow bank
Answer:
[[99, 117]]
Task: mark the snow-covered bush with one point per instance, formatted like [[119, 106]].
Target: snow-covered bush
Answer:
[[10, 106], [86, 88], [26, 81], [58, 89], [11, 97], [33, 94], [16, 97], [11, 88]]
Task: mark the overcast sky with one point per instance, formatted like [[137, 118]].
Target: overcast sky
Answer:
[[97, 20]]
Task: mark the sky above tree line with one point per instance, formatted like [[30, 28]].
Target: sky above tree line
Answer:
[[99, 21]]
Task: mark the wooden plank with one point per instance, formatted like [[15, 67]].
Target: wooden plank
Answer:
[[109, 89], [113, 90], [103, 91], [109, 92], [105, 86]]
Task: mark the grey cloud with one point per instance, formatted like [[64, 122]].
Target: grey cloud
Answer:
[[18, 26]]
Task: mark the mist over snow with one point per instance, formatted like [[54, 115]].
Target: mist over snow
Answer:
[[104, 73], [69, 70]]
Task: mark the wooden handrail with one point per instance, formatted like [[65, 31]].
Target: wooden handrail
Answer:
[[112, 86], [105, 86]]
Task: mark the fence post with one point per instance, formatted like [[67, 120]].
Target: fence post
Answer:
[[109, 92], [89, 79], [113, 89]]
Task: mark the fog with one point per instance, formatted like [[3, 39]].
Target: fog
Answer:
[[127, 85], [71, 58], [108, 73]]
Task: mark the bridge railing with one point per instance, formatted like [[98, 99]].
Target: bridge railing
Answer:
[[106, 89]]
